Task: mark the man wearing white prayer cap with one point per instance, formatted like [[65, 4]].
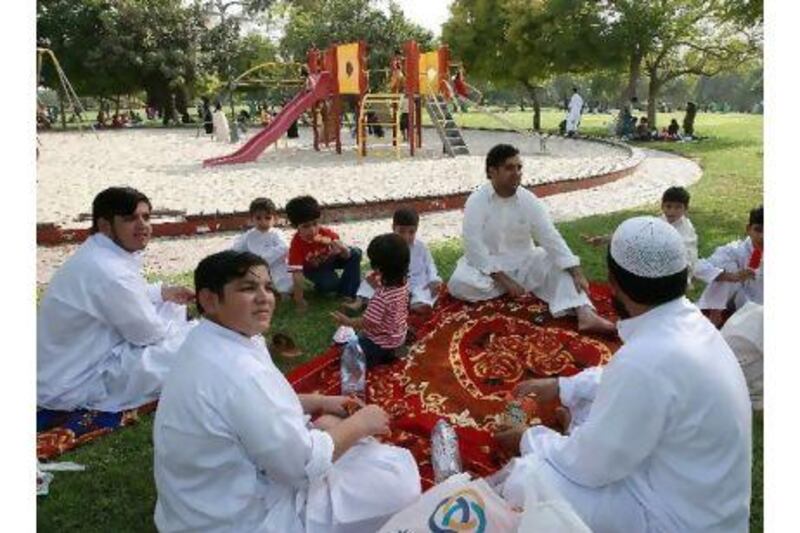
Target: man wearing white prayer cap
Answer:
[[666, 442]]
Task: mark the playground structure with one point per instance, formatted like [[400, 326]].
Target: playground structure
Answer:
[[66, 87], [338, 77]]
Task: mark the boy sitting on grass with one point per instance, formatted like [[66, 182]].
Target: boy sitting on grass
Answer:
[[423, 278], [674, 206], [267, 242], [316, 253], [233, 446], [384, 326], [734, 272]]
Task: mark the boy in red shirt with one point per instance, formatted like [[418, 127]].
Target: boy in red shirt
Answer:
[[316, 253], [384, 325]]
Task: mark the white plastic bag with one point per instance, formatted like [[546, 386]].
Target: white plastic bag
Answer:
[[458, 504]]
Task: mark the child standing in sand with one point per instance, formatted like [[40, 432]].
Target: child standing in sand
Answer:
[[384, 326], [264, 240], [316, 253]]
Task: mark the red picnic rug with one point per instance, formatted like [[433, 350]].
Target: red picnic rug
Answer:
[[466, 358]]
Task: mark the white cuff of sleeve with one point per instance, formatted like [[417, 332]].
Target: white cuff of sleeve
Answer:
[[581, 386], [321, 454], [705, 271], [528, 443], [154, 292], [568, 262]]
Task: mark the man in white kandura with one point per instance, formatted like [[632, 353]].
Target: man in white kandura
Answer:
[[105, 337], [666, 443], [500, 256], [234, 449], [574, 110]]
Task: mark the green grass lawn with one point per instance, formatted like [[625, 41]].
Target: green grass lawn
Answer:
[[117, 492]]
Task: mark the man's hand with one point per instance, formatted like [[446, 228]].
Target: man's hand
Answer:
[[341, 406], [178, 295], [736, 277], [508, 439], [514, 289], [581, 283], [342, 319], [372, 420], [544, 389]]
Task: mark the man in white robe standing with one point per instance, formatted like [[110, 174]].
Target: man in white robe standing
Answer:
[[574, 111], [665, 444], [105, 337], [234, 447], [500, 256]]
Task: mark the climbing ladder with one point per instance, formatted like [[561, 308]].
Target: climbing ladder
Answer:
[[452, 140], [385, 110]]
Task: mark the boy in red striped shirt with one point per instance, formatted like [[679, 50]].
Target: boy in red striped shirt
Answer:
[[384, 325]]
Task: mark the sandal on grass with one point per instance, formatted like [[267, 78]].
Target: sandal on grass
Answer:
[[283, 345]]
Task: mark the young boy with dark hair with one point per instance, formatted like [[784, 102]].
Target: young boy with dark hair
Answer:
[[423, 278], [316, 252], [674, 206], [267, 242], [734, 272], [233, 446], [384, 325]]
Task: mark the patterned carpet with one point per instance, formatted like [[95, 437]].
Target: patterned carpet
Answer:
[[467, 357]]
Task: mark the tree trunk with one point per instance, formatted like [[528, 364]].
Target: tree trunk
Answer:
[[634, 73], [652, 99], [533, 91]]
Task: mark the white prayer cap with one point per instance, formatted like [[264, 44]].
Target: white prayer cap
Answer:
[[648, 247]]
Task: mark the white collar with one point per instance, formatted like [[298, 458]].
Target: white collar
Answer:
[[494, 196], [103, 241], [629, 327], [256, 342]]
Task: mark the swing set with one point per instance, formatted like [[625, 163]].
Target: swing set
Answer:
[[42, 54]]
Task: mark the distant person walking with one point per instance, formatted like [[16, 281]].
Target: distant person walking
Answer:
[[574, 110]]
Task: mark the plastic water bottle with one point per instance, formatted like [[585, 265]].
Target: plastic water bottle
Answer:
[[445, 455], [354, 369]]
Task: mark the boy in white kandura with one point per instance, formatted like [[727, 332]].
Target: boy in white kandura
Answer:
[[233, 444]]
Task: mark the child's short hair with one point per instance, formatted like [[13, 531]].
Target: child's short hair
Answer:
[[264, 205], [302, 209], [116, 201], [219, 269], [389, 255], [676, 194], [498, 154], [757, 216], [405, 216]]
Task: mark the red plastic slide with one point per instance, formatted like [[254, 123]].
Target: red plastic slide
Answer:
[[320, 89]]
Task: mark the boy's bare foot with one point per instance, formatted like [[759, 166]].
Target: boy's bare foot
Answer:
[[717, 317], [590, 322], [353, 305]]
